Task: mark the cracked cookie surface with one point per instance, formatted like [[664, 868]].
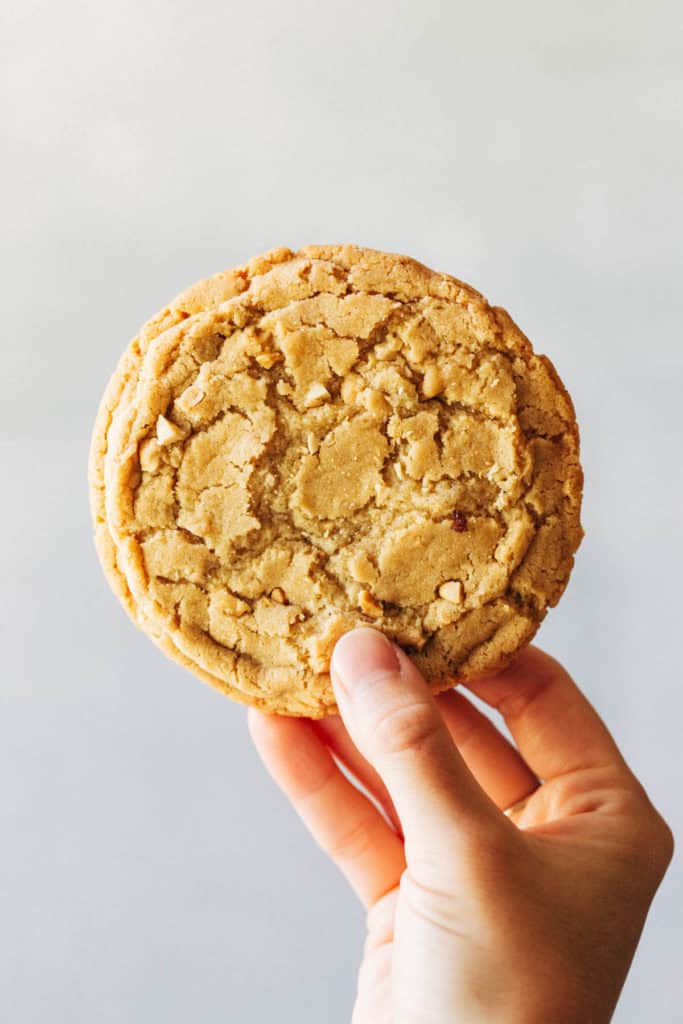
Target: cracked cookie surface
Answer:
[[329, 438]]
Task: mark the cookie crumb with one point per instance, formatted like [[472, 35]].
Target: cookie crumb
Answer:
[[278, 594]]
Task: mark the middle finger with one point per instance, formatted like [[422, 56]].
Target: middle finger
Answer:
[[497, 766]]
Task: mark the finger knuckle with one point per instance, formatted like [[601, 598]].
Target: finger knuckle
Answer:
[[406, 727], [376, 940], [351, 843], [439, 907], [653, 839], [663, 842], [376, 966], [380, 919]]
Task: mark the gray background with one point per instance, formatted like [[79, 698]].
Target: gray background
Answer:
[[149, 871]]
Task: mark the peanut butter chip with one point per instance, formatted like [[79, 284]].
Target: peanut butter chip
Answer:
[[326, 439]]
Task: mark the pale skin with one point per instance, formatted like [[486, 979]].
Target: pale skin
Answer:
[[474, 915]]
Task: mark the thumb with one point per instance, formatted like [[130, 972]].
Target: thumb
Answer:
[[393, 719]]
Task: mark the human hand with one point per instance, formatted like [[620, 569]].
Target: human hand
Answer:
[[474, 915]]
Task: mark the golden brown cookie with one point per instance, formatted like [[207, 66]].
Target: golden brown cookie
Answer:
[[325, 439]]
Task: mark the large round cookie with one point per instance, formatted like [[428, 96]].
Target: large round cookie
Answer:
[[329, 438]]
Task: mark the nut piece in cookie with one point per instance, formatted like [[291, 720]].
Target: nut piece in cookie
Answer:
[[369, 605]]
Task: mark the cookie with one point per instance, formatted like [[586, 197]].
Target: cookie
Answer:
[[326, 439]]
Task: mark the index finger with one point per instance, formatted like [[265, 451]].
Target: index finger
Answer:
[[554, 726]]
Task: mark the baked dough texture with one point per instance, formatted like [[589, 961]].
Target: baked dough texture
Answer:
[[330, 438]]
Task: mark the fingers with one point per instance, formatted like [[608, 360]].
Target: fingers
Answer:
[[495, 763], [554, 726], [497, 766], [334, 735], [345, 824], [395, 723], [374, 1000]]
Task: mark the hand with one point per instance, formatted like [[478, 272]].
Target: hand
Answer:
[[474, 915]]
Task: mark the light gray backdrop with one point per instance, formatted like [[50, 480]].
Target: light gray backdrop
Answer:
[[149, 871]]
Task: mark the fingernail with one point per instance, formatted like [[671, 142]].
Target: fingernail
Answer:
[[359, 654]]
